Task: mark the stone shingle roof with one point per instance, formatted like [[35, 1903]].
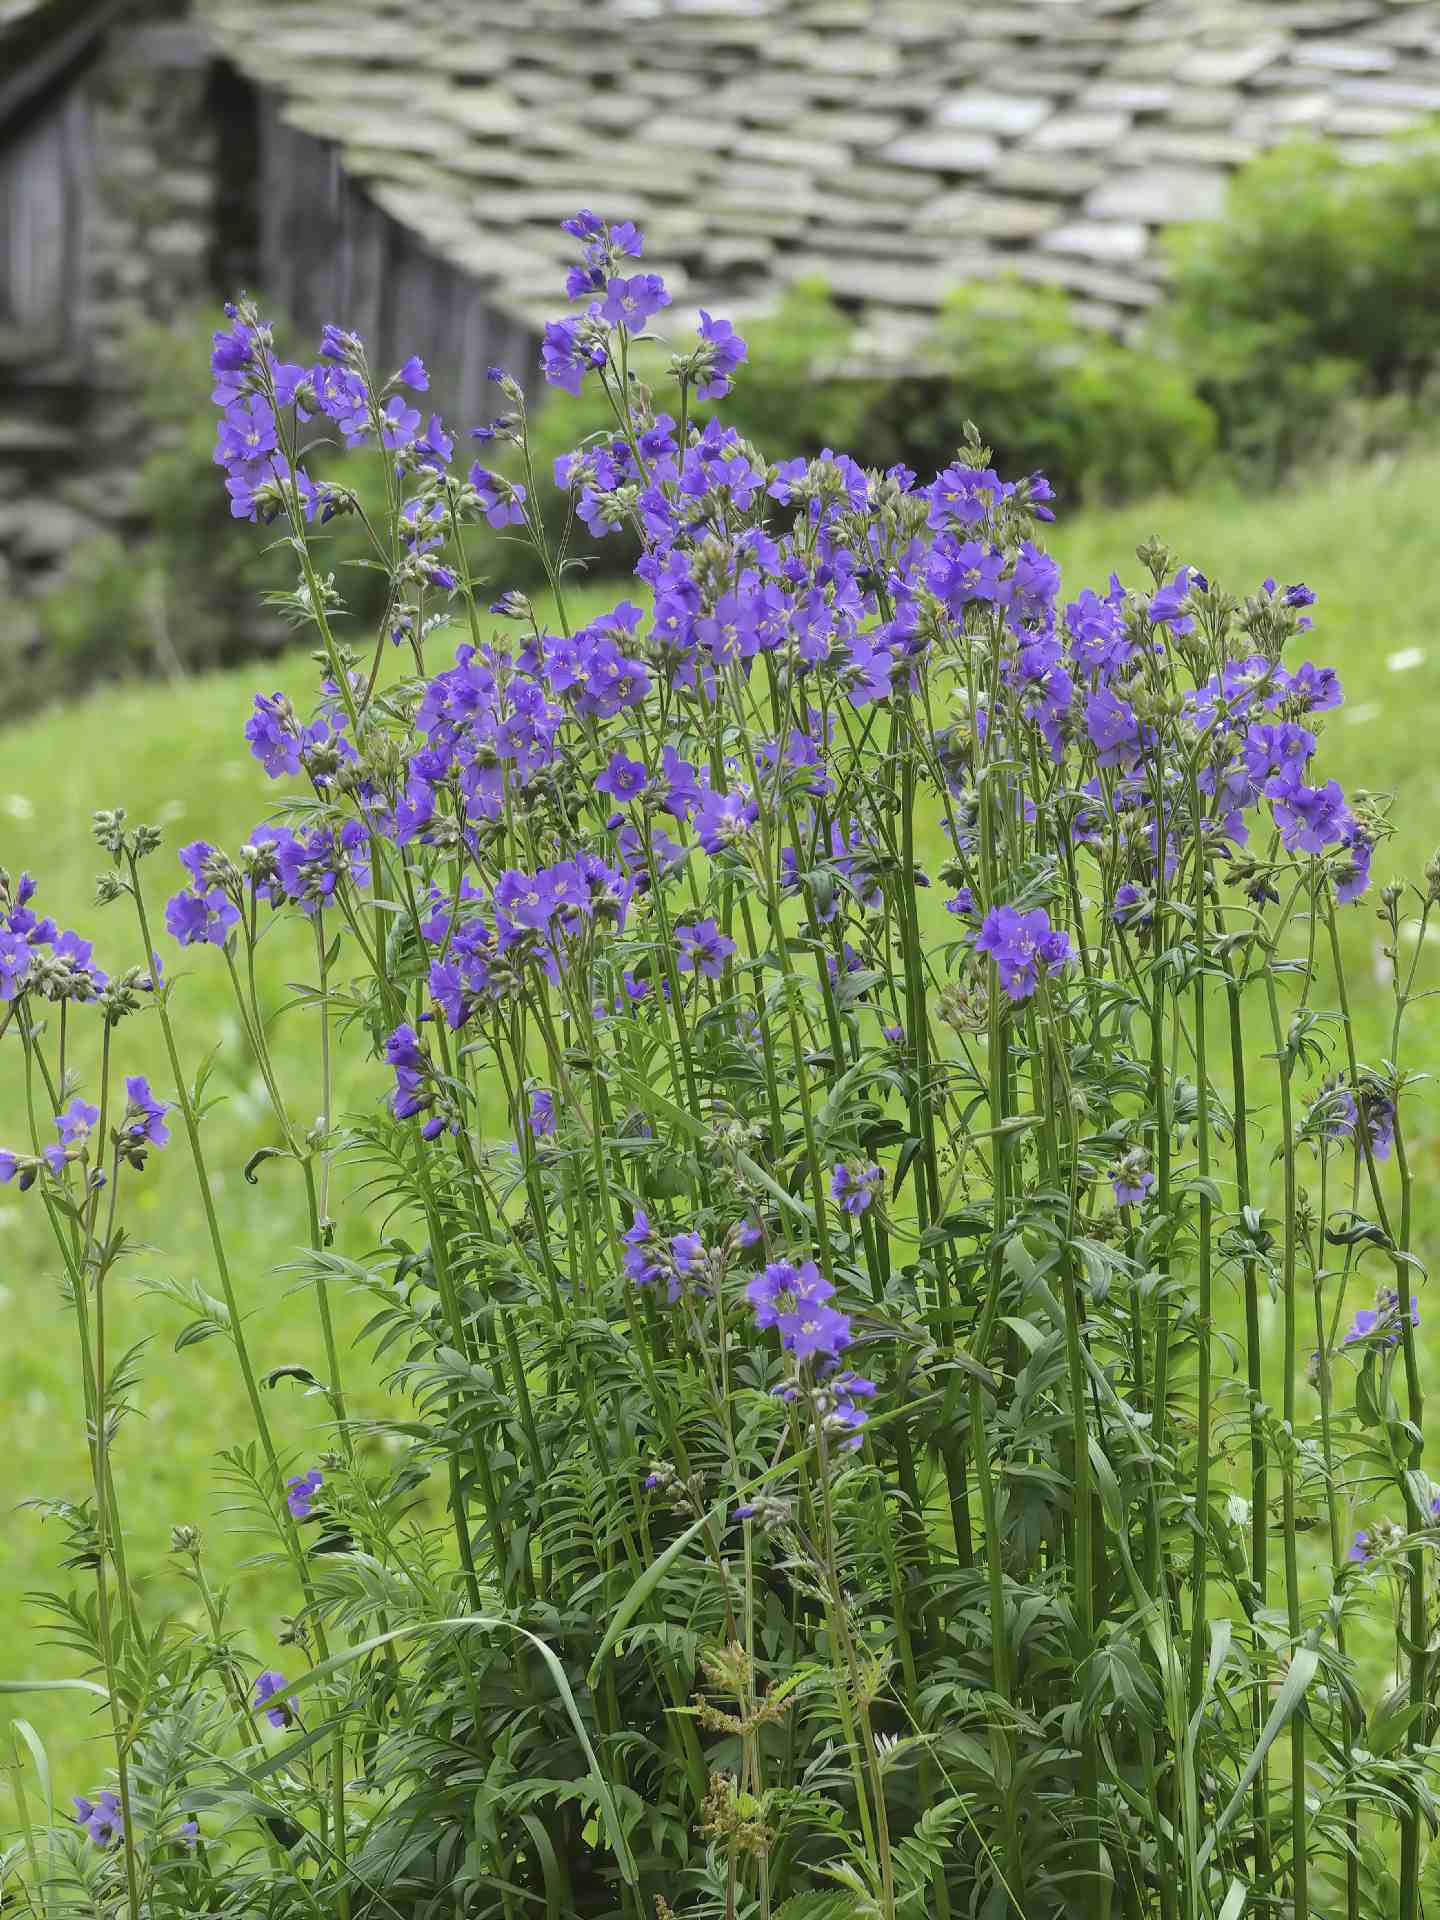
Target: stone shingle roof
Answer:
[[895, 147]]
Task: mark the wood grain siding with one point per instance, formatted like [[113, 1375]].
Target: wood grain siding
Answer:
[[46, 189], [327, 251]]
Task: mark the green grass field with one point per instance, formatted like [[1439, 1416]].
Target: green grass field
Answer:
[[175, 755]]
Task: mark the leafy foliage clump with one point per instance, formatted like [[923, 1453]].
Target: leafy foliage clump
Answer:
[[841, 1023], [1313, 300]]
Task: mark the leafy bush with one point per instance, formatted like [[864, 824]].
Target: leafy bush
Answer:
[[816, 1481], [1316, 287], [1103, 421]]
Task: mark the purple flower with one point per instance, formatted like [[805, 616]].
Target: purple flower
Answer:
[[245, 433], [268, 1686], [200, 919], [963, 496], [300, 1493], [1379, 1110], [398, 423], [503, 501], [273, 735], [853, 1189], [76, 1123], [101, 1816], [846, 1418], [1359, 1549], [9, 1166], [721, 354], [703, 949], [583, 225], [542, 1113], [413, 374], [1382, 1320], [623, 779], [721, 819], [1352, 866], [1113, 728], [1316, 689], [642, 1245], [144, 1122], [565, 357], [409, 1095], [1309, 818], [435, 447], [16, 960], [1131, 1188], [783, 1288], [814, 1332], [1166, 604], [630, 303], [232, 357], [1022, 946]]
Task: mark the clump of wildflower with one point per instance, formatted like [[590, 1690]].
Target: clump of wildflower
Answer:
[[702, 948], [143, 1125], [415, 1091], [1022, 945], [101, 1817], [795, 1299], [1132, 1179], [1374, 1541], [854, 1189], [74, 1126], [651, 1257], [1382, 1321]]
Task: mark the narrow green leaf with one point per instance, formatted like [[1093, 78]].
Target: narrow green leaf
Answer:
[[1233, 1904], [641, 1589], [620, 1846], [1287, 1702], [52, 1686]]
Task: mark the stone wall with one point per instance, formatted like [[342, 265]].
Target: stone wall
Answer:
[[117, 165]]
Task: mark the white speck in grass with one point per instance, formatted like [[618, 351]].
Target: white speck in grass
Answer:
[[5, 1295], [172, 811], [19, 806], [1362, 713], [1405, 659]]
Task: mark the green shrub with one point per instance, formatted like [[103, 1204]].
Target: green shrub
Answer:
[[1101, 420], [1315, 291]]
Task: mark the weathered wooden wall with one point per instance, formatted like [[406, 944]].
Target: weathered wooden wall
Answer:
[[328, 252], [47, 184]]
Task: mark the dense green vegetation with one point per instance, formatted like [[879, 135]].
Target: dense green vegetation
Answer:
[[174, 755]]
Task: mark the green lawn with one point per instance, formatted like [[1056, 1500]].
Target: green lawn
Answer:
[[175, 755]]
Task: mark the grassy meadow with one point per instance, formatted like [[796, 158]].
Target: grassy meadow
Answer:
[[175, 755]]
